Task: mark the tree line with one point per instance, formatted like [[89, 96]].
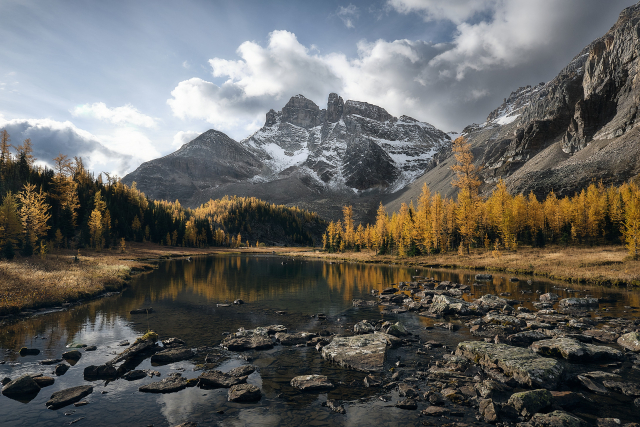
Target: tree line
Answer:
[[595, 215], [68, 207]]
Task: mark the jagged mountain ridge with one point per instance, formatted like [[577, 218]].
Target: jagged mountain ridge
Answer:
[[561, 135], [350, 151]]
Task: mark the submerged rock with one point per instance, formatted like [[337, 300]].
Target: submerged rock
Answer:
[[134, 375], [242, 371], [62, 398], [630, 341], [172, 355], [101, 372], [335, 406], [409, 404], [574, 350], [252, 339], [312, 383], [22, 386], [244, 393], [142, 311], [522, 364], [361, 352], [217, 379], [171, 384], [294, 339]]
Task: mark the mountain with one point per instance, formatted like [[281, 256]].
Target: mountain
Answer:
[[319, 159], [561, 135]]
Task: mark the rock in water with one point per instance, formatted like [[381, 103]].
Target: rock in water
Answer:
[[630, 341], [522, 364], [575, 351], [362, 352], [21, 386], [312, 383], [172, 355], [134, 375], [527, 403], [217, 379], [556, 419], [102, 372], [61, 369], [171, 384], [24, 351], [244, 393], [62, 398], [242, 371], [43, 381], [73, 355]]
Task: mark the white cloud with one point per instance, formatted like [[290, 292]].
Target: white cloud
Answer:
[[126, 114], [186, 64], [497, 44], [182, 137], [348, 14], [51, 137]]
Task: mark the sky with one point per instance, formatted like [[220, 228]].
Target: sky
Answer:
[[122, 82]]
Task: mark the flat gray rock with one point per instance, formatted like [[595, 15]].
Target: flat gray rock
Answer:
[[172, 355], [365, 352], [630, 341], [21, 386], [62, 398], [171, 384], [244, 393], [574, 350], [522, 364], [312, 383], [217, 379]]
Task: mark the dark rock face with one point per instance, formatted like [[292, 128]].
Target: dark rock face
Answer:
[[22, 386], [66, 397], [171, 384], [217, 379], [172, 355], [301, 111], [102, 372]]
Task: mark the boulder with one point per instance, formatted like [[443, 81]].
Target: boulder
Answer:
[[363, 327], [361, 352], [43, 380], [549, 297], [522, 364], [73, 355], [255, 339], [630, 341], [24, 351], [312, 383], [172, 355], [244, 393], [242, 371], [529, 402], [488, 410], [397, 330], [134, 375], [101, 372], [526, 337], [574, 350], [141, 348], [24, 385], [484, 277], [217, 379], [490, 302], [61, 369], [171, 384], [504, 320], [626, 388], [173, 343], [50, 361], [62, 398], [444, 304], [294, 339], [556, 419]]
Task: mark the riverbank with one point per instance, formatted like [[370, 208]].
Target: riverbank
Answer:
[[35, 283], [600, 265]]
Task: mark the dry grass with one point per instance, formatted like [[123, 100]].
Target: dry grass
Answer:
[[604, 265]]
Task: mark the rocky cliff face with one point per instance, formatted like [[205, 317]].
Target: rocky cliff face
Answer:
[[561, 135], [348, 150]]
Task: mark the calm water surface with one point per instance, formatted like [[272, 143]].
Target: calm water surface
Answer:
[[185, 297]]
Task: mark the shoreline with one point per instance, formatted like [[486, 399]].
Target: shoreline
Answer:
[[29, 286]]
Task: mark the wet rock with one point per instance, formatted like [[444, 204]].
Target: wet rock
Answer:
[[335, 406], [602, 336], [139, 349], [172, 355], [435, 398], [527, 403], [242, 371], [101, 372], [91, 348], [407, 390], [244, 393], [238, 302], [43, 381], [255, 339], [50, 361], [593, 381], [504, 320], [173, 343], [294, 339], [363, 327], [574, 350], [68, 396], [61, 369], [171, 384], [630, 341], [24, 351], [24, 385], [409, 404], [5, 381], [435, 411], [549, 297], [124, 343], [578, 302], [482, 277], [142, 311], [524, 365], [217, 379], [134, 375], [556, 419], [74, 355], [312, 383], [490, 302], [568, 399]]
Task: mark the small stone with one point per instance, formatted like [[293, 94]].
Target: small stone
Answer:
[[336, 406], [244, 393], [61, 369], [311, 383]]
